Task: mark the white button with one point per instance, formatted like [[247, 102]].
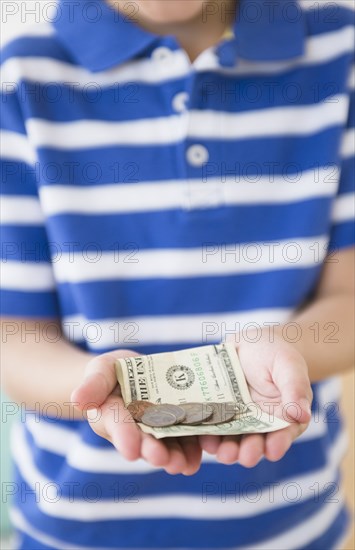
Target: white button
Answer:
[[161, 54], [179, 102], [197, 155]]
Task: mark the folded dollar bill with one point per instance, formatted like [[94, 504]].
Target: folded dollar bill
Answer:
[[208, 375]]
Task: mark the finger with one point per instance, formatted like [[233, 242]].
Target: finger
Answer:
[[154, 451], [177, 462], [100, 380], [210, 443], [123, 431], [193, 453], [228, 450], [251, 450], [94, 417], [278, 443], [290, 375]]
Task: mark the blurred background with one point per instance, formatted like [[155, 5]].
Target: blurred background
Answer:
[[15, 16]]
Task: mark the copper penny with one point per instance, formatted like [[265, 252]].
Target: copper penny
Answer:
[[138, 408]]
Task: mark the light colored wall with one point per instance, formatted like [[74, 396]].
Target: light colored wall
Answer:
[[17, 14], [348, 467]]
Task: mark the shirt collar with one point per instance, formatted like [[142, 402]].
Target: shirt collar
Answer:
[[99, 37], [270, 30]]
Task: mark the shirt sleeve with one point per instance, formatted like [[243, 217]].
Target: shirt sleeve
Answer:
[[27, 283], [343, 213]]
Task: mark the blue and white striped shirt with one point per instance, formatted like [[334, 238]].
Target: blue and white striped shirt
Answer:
[[155, 204]]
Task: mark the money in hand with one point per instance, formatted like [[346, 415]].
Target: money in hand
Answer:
[[191, 392], [192, 414]]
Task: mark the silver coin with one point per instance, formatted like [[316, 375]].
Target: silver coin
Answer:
[[222, 412], [176, 410], [156, 418], [196, 413]]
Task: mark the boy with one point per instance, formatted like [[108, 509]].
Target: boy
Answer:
[[170, 182]]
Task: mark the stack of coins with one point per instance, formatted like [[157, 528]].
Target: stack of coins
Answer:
[[192, 414]]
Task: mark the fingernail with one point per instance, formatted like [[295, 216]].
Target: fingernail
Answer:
[[72, 396], [89, 376], [93, 415], [306, 406]]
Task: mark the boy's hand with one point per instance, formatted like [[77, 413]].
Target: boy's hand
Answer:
[[99, 395], [277, 376]]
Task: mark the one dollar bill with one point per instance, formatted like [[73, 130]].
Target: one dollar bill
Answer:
[[206, 374]]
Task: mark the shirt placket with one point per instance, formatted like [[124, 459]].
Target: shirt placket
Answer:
[[200, 191], [193, 152]]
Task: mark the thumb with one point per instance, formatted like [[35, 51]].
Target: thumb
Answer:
[[100, 380], [290, 375]]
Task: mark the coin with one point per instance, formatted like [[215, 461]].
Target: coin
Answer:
[[176, 410], [222, 412], [157, 418], [196, 413], [138, 408]]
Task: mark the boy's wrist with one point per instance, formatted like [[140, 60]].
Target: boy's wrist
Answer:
[[283, 333], [290, 333]]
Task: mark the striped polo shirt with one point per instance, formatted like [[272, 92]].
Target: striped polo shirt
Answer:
[[154, 203]]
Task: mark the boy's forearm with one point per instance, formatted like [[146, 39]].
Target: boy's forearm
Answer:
[[41, 373], [39, 369], [324, 334]]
